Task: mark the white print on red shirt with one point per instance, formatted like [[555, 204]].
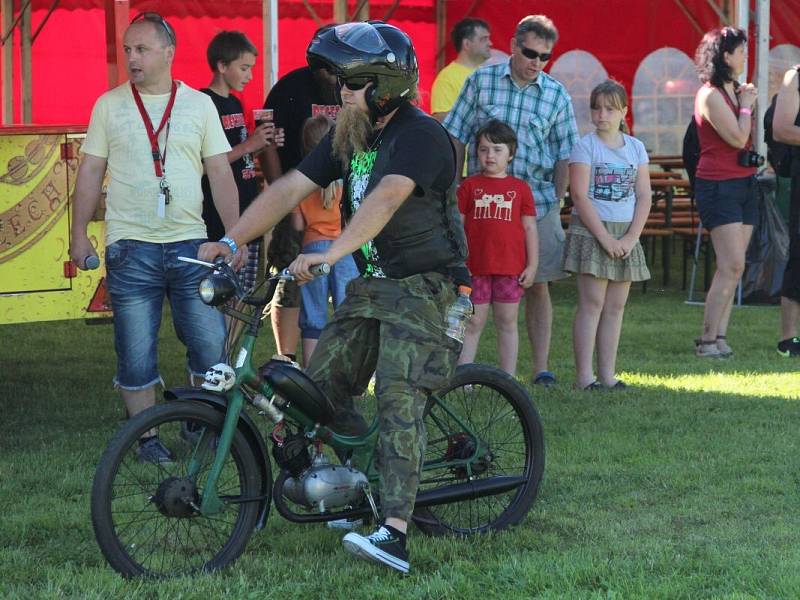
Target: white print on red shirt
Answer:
[[502, 207]]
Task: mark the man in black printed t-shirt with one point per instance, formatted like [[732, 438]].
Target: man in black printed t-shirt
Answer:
[[404, 230]]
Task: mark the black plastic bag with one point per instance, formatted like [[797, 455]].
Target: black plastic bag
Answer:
[[768, 251]]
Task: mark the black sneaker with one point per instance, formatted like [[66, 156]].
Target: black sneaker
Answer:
[[385, 546], [153, 451], [790, 347]]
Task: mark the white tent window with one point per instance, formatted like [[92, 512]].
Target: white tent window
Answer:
[[781, 59], [580, 72], [663, 100]]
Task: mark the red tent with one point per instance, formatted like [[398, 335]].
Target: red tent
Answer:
[[69, 54], [621, 33], [69, 67]]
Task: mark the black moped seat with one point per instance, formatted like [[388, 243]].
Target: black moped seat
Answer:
[[294, 386]]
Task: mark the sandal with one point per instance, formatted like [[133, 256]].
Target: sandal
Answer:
[[722, 345], [593, 387], [706, 349], [620, 385], [545, 378]]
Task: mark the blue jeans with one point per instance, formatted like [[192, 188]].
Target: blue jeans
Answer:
[[314, 307], [139, 276]]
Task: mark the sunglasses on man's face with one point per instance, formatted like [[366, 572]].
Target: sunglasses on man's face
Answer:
[[533, 54], [156, 18], [354, 83]]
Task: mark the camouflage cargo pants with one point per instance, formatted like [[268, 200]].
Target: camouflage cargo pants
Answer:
[[395, 328]]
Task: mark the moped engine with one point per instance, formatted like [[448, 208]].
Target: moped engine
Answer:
[[325, 486]]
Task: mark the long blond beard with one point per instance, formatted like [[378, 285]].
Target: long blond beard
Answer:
[[353, 129]]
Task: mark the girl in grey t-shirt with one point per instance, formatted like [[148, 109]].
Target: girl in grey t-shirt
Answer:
[[610, 189]]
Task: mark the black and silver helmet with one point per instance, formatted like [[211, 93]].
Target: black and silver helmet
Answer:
[[374, 50]]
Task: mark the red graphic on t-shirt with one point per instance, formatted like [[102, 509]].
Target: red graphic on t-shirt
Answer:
[[233, 120], [329, 110]]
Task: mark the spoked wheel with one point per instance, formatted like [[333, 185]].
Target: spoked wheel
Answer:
[[507, 442], [146, 513]]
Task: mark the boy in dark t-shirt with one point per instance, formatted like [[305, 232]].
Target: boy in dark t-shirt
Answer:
[[231, 57]]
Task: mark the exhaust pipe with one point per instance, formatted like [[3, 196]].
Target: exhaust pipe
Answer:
[[469, 490]]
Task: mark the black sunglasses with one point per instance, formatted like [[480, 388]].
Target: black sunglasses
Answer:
[[353, 83], [533, 54], [152, 17]]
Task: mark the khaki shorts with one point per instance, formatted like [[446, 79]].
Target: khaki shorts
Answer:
[[551, 247], [283, 249]]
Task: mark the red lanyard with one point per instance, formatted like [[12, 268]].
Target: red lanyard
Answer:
[[158, 160]]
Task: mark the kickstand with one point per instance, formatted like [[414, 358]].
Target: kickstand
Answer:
[[368, 492]]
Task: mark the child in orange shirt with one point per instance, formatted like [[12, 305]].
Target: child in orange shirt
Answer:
[[319, 217]]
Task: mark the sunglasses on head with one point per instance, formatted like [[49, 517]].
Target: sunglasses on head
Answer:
[[152, 17], [533, 54], [353, 83]]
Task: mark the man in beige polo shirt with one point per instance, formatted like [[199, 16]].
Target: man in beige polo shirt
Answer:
[[154, 135]]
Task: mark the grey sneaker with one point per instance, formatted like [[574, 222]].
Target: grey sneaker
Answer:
[[153, 451], [722, 345], [348, 524], [383, 547], [705, 349]]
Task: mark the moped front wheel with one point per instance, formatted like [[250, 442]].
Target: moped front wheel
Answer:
[[482, 427], [146, 503]]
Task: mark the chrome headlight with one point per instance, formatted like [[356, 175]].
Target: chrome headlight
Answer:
[[216, 289]]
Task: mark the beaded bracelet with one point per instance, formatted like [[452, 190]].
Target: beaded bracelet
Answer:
[[231, 244]]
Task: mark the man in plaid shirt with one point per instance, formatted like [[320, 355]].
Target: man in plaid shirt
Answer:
[[539, 110]]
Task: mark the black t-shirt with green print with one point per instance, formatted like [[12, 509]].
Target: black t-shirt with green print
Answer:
[[419, 149]]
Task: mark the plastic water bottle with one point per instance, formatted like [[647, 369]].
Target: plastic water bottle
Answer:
[[459, 313]]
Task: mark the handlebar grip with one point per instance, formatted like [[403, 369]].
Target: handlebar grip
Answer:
[[320, 269], [91, 262]]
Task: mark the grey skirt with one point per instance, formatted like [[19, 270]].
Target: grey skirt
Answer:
[[583, 254]]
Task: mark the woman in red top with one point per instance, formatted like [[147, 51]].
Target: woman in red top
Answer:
[[725, 187]]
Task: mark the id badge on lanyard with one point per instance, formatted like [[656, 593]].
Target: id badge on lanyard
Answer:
[[159, 159]]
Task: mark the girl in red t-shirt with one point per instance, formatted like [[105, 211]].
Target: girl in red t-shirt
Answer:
[[500, 223]]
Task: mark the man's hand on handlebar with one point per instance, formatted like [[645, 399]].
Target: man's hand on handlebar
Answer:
[[301, 266], [211, 250]]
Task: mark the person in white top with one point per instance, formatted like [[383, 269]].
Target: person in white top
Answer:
[[154, 135], [610, 189]]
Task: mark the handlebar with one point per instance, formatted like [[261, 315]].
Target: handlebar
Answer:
[[285, 275], [316, 271]]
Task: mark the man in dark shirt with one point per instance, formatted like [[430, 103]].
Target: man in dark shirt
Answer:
[[296, 96], [405, 233]]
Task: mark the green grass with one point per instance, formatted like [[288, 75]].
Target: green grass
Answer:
[[684, 486]]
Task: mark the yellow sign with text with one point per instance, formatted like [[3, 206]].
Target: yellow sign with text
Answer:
[[37, 280]]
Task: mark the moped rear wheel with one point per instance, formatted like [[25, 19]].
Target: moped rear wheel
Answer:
[[146, 514], [507, 441]]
